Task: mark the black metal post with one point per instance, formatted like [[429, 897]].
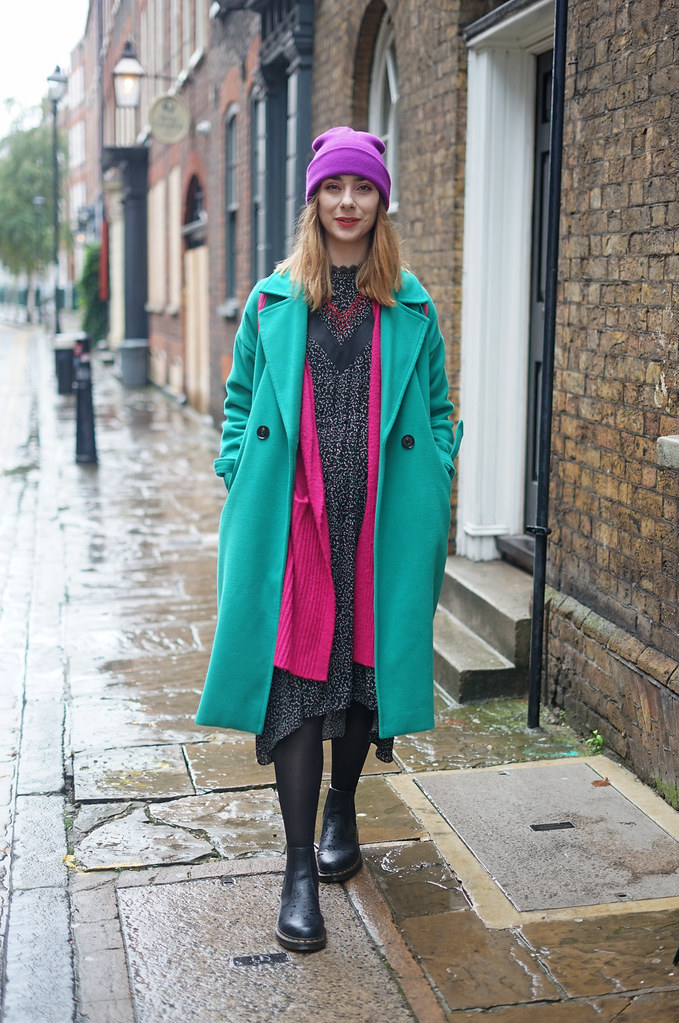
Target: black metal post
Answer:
[[55, 214], [85, 444], [38, 206], [541, 529], [133, 162]]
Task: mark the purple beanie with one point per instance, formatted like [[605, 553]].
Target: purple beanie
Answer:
[[345, 151]]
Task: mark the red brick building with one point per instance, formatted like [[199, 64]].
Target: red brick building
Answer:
[[461, 94]]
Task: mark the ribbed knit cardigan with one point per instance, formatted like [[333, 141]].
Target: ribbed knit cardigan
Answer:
[[307, 618]]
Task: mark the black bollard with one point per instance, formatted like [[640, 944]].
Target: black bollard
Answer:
[[85, 448], [63, 362]]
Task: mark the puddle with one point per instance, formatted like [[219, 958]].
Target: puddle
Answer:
[[414, 880]]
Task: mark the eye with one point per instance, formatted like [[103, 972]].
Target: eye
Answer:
[[332, 186], [365, 186]]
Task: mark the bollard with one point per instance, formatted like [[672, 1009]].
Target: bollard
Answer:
[[63, 362], [85, 448]]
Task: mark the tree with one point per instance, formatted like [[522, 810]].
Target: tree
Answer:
[[95, 310], [26, 235]]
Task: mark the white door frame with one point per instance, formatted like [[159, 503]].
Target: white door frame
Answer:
[[496, 275]]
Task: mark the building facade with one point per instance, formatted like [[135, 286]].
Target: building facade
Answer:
[[461, 94]]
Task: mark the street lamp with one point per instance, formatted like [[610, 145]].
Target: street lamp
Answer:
[[132, 161], [127, 76], [38, 207], [57, 83]]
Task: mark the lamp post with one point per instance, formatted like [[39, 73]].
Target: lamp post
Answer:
[[57, 83], [132, 160], [38, 207]]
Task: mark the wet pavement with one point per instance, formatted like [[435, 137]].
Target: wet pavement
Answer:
[[141, 856]]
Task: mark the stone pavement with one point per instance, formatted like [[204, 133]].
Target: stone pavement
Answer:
[[141, 856]]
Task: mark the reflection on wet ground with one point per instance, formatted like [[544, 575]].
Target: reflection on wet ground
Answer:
[[152, 790]]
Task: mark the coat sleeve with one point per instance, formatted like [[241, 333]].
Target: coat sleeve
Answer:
[[239, 387], [446, 437]]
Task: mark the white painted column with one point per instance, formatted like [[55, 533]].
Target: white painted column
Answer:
[[495, 297]]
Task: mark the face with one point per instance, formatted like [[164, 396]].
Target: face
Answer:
[[347, 209]]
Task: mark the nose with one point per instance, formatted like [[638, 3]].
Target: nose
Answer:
[[348, 197]]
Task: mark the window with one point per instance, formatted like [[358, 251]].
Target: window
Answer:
[[157, 246], [187, 34], [383, 101], [231, 202], [201, 25], [76, 145], [258, 178], [175, 38], [174, 221]]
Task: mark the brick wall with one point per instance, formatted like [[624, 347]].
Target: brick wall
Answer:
[[232, 63], [615, 545], [431, 64]]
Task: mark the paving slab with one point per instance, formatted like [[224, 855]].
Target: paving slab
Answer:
[[228, 763], [609, 954], [132, 718], [135, 841], [557, 835], [40, 764], [138, 772], [241, 823], [39, 843], [39, 968], [381, 814], [472, 967], [250, 979]]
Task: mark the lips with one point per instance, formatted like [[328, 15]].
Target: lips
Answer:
[[347, 220]]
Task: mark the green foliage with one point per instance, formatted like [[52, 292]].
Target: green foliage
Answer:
[[595, 741], [95, 312], [669, 791], [26, 234]]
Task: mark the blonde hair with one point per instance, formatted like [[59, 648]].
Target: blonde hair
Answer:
[[309, 262]]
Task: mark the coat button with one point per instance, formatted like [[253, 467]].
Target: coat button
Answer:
[[262, 432], [408, 441]]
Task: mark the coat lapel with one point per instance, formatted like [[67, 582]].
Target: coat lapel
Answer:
[[282, 331], [403, 329]]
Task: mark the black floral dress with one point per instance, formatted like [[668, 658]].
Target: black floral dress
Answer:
[[339, 349]]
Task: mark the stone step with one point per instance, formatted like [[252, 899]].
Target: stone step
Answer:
[[467, 667], [493, 599]]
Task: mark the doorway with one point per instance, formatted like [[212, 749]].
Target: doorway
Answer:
[[501, 314]]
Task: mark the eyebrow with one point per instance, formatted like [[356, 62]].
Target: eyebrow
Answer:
[[358, 180]]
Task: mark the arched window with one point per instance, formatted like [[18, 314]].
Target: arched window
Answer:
[[383, 102]]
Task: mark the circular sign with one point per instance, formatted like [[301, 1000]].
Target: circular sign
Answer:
[[169, 118]]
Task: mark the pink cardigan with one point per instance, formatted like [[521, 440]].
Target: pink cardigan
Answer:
[[307, 618]]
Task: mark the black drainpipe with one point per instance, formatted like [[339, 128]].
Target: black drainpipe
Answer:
[[541, 530]]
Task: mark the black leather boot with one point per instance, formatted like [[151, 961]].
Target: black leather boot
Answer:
[[339, 854], [300, 925]]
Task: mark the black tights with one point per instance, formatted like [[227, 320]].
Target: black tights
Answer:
[[298, 761]]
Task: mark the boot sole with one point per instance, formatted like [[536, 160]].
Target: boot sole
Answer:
[[302, 944], [341, 875]]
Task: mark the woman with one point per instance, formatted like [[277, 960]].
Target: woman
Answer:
[[337, 453]]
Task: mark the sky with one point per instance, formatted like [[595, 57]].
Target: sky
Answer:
[[35, 35]]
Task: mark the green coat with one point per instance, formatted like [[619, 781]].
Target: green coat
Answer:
[[412, 516]]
